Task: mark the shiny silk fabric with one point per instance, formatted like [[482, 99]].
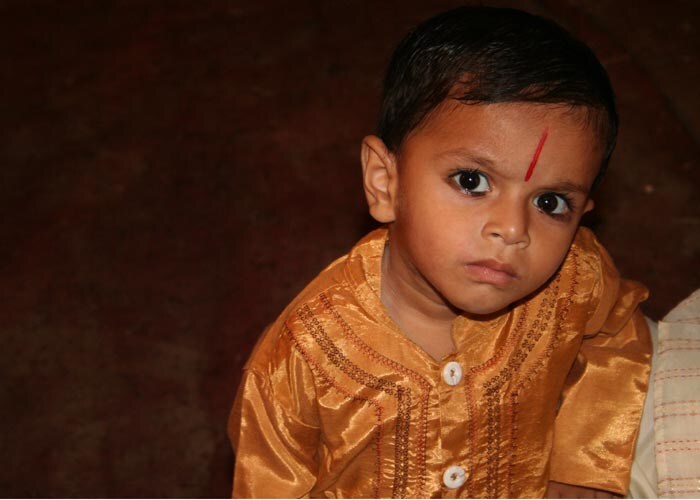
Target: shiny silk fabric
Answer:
[[336, 402]]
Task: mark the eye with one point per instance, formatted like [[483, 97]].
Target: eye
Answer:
[[472, 181], [552, 203]]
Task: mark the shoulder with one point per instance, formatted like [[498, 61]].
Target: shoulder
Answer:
[[598, 286], [587, 268], [281, 339], [311, 321], [591, 257], [591, 268]]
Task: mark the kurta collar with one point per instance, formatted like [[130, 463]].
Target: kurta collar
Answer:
[[364, 271]]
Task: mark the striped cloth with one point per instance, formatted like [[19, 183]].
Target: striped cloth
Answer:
[[667, 463]]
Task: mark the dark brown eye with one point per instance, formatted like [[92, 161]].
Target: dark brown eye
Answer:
[[552, 204], [472, 181]]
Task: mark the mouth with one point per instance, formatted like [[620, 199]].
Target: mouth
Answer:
[[492, 272]]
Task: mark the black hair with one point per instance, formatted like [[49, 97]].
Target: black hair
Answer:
[[484, 55]]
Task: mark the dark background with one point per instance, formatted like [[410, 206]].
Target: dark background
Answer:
[[173, 172]]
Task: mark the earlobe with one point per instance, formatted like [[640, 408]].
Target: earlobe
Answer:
[[379, 178]]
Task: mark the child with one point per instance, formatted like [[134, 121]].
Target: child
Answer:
[[480, 343]]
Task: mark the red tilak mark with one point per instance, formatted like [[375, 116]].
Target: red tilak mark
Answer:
[[536, 156]]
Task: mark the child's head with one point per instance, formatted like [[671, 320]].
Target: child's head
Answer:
[[495, 125], [491, 55]]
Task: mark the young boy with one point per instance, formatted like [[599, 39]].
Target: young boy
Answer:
[[479, 344]]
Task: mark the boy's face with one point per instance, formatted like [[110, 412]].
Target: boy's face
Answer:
[[484, 201]]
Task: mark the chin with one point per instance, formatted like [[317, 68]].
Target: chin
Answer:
[[485, 310]]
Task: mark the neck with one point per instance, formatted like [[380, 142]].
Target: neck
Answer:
[[409, 299]]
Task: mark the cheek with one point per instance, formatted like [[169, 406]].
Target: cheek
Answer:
[[418, 215]]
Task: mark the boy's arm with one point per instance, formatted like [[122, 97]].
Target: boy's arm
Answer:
[[274, 432], [598, 421]]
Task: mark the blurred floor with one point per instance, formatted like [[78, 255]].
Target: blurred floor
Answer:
[[174, 172]]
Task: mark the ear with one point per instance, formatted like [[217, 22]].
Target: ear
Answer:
[[380, 179], [589, 206]]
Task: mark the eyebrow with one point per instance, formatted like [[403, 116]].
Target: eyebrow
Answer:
[[463, 154], [567, 186]]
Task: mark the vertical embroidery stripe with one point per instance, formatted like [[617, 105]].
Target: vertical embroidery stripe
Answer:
[[493, 388], [383, 360], [554, 341], [512, 339], [378, 410], [402, 394]]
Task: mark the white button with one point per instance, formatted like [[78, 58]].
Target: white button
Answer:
[[454, 477], [452, 373]]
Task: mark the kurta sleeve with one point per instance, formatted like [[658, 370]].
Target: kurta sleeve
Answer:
[[598, 421], [273, 426]]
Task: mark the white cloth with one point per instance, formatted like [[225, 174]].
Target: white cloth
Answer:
[[667, 461]]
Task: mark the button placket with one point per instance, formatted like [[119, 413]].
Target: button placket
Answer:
[[453, 477]]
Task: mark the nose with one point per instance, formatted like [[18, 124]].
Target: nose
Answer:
[[508, 221]]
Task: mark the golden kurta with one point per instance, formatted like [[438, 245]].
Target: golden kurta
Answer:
[[336, 402]]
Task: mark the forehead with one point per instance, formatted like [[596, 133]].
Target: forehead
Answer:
[[507, 134]]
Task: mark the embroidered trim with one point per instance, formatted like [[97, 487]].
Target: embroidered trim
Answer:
[[383, 360], [378, 410], [402, 395], [534, 334], [493, 387], [555, 339], [512, 339]]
